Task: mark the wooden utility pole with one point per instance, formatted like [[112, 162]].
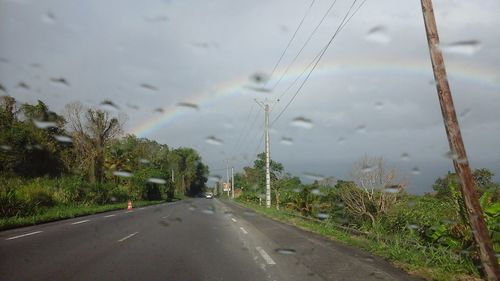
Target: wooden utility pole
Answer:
[[457, 148]]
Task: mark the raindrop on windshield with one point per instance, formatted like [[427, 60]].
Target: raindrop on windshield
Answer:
[[314, 176], [122, 174], [392, 189], [65, 139], [366, 168], [379, 105], [361, 129], [44, 124], [286, 141], [465, 47], [249, 213], [465, 113], [322, 216], [159, 110], [302, 122], [144, 161], [259, 78], [108, 105], [341, 140], [316, 191], [378, 34], [5, 147], [23, 85], [213, 140], [405, 156], [451, 155], [49, 17], [415, 171], [149, 87], [60, 80], [188, 105], [214, 178], [157, 180], [2, 88], [208, 211], [285, 251]]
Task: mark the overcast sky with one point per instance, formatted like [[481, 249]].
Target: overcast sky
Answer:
[[371, 93]]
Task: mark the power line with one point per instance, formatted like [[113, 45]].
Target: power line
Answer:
[[243, 130], [304, 45], [290, 41], [344, 21]]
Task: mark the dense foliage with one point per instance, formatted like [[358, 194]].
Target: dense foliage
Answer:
[[82, 158], [433, 227]]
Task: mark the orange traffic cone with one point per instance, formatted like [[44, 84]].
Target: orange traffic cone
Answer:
[[129, 207]]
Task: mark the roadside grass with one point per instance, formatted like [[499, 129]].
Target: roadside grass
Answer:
[[60, 212], [430, 263]]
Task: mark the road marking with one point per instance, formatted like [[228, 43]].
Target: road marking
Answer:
[[79, 222], [23, 235], [127, 237], [108, 216], [244, 231], [233, 219], [264, 255]]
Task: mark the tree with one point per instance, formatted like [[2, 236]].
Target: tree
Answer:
[[375, 191], [92, 130]]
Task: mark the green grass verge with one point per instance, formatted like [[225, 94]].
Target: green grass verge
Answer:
[[67, 211], [428, 263]]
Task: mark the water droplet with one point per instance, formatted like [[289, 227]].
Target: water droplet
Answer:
[[258, 89], [466, 47], [148, 87], [392, 189], [297, 190], [122, 174], [361, 129], [378, 34], [2, 88], [286, 141], [188, 105], [259, 78], [23, 85], [412, 226], [249, 213], [159, 110], [314, 176], [302, 122], [132, 106], [405, 156], [415, 171], [213, 140], [65, 139], [155, 19], [451, 155], [465, 113], [379, 105], [366, 168], [157, 180], [5, 147], [144, 161], [285, 251], [208, 211], [60, 80], [108, 105], [49, 17], [215, 178], [322, 216], [44, 124], [316, 191], [341, 140], [192, 208]]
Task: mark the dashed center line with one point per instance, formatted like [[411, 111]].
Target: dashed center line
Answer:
[[108, 216], [264, 255], [233, 219], [23, 235], [127, 237], [244, 231], [79, 222]]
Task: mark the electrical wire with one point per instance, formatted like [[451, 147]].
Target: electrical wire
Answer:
[[318, 57]]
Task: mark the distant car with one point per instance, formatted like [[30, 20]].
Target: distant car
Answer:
[[209, 195]]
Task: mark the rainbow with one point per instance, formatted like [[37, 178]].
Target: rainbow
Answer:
[[485, 76]]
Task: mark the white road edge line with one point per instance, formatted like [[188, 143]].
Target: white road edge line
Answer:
[[242, 229], [23, 235], [108, 216], [264, 255], [233, 219], [128, 236], [79, 222]]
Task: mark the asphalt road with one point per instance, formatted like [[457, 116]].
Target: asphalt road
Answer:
[[195, 239]]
